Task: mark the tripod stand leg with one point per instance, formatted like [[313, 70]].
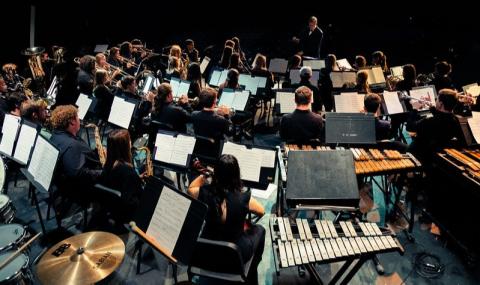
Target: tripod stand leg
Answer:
[[378, 265]]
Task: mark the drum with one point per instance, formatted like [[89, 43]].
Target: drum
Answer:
[[16, 271], [12, 237], [7, 210], [3, 174]]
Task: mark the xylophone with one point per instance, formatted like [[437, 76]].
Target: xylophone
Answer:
[[304, 242], [467, 161], [370, 161]]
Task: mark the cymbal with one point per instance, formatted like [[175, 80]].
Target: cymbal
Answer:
[[33, 50], [82, 259]]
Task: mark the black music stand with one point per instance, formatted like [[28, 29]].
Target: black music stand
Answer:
[[349, 128], [190, 229], [316, 179]]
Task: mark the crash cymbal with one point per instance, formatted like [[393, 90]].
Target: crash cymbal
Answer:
[[82, 259], [33, 51]]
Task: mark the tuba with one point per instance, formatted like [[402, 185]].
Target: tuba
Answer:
[[34, 61], [102, 154]]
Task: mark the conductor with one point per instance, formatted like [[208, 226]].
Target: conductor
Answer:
[[310, 39]]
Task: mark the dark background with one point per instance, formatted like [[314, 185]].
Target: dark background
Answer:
[[408, 35]]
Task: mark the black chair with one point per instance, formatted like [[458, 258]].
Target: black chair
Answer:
[[218, 260], [207, 149]]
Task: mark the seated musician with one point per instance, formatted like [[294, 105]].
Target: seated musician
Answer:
[[260, 69], [231, 81], [101, 61], [302, 125], [441, 76], [409, 81], [305, 75], [119, 174], [86, 75], [194, 75], [207, 122], [15, 102], [78, 167], [238, 49], [225, 59], [380, 59], [360, 62], [371, 104], [228, 207], [437, 132], [166, 112], [190, 53], [174, 69], [362, 85], [103, 94], [235, 63], [35, 111], [325, 83], [138, 51], [114, 57], [295, 62]]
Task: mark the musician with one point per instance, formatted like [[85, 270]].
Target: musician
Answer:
[[371, 104], [15, 102], [302, 125], [78, 167], [103, 94], [260, 69], [35, 111], [325, 83], [166, 112], [441, 76], [295, 62], [437, 132], [190, 53], [361, 85], [194, 75], [360, 62], [225, 59], [138, 51], [101, 61], [114, 57], [126, 53], [119, 174], [231, 81], [228, 207], [380, 59], [409, 81], [86, 75], [305, 75], [238, 49], [207, 122], [174, 69], [230, 43], [310, 40], [235, 63]]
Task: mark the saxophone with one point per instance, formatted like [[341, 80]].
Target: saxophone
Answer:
[[148, 161], [102, 154]]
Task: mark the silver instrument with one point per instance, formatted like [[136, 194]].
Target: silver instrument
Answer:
[[12, 237], [16, 271], [7, 210]]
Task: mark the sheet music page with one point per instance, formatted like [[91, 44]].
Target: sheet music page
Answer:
[[268, 157], [315, 63], [278, 65], [294, 76], [183, 147], [168, 218], [214, 77], [348, 103], [264, 194], [156, 83], [147, 85], [175, 84], [223, 77], [121, 112], [315, 77], [240, 100], [243, 80], [83, 103], [204, 64], [377, 75], [227, 98], [474, 123], [261, 82], [25, 142], [397, 71], [252, 84], [340, 78], [426, 94], [249, 161], [42, 164], [344, 64], [474, 90], [164, 147], [183, 88], [10, 127], [393, 103], [287, 102], [52, 88]]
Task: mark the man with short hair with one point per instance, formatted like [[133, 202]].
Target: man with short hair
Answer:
[[305, 74], [303, 125], [310, 40], [371, 104], [190, 53]]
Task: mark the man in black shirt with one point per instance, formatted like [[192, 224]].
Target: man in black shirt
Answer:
[[207, 122], [302, 125], [310, 40], [305, 75], [190, 53], [371, 104]]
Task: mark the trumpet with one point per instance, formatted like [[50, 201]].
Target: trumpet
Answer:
[[111, 69], [129, 61]]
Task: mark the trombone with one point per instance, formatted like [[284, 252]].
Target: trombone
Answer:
[[129, 61]]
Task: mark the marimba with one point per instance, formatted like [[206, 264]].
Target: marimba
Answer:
[[304, 242], [466, 161]]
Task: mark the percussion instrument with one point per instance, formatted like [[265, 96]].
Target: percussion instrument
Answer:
[[465, 161], [3, 174], [82, 259], [7, 210], [13, 236], [16, 271]]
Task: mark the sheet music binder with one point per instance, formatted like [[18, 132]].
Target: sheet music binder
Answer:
[[349, 128], [321, 178], [192, 225]]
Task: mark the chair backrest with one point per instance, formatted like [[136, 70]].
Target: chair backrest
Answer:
[[219, 260], [207, 149], [153, 129]]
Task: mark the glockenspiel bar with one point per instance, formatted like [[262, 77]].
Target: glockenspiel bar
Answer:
[[322, 248], [301, 232], [370, 229], [316, 250], [360, 245], [296, 252], [364, 229], [303, 252], [283, 254], [330, 249], [319, 227], [350, 227], [290, 256], [376, 229], [326, 228], [288, 229], [345, 229], [281, 228], [348, 246], [306, 228], [355, 247], [341, 246], [309, 249], [333, 231], [367, 244], [379, 242]]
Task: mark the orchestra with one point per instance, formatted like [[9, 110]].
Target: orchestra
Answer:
[[175, 99]]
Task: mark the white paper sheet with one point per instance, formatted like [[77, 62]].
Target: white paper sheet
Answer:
[[264, 194], [392, 102], [121, 112], [348, 103], [240, 101], [25, 142], [341, 78], [83, 103], [474, 123], [214, 77], [168, 218], [183, 88], [315, 63], [204, 64], [10, 127], [278, 65], [268, 157], [43, 161], [344, 64], [250, 162], [228, 95], [183, 147], [286, 101]]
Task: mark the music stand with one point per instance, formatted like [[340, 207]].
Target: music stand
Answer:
[[100, 48], [349, 128], [25, 142], [10, 128]]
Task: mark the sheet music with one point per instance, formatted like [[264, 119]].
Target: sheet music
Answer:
[[147, 85], [294, 76], [10, 127], [175, 84], [223, 77], [315, 77], [397, 71], [473, 89], [250, 162], [342, 77], [42, 164], [474, 123], [204, 64], [286, 101], [348, 103], [214, 77], [344, 64], [156, 83], [164, 147], [315, 63], [228, 95], [392, 102], [426, 94], [83, 103], [278, 65], [183, 88], [25, 142], [377, 74], [121, 112], [261, 82], [183, 147], [168, 218], [264, 194], [268, 157], [240, 100]]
